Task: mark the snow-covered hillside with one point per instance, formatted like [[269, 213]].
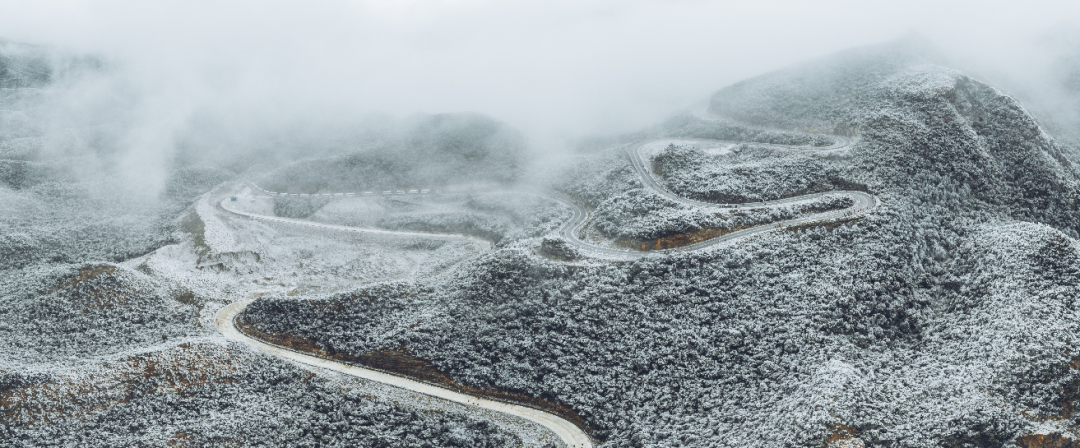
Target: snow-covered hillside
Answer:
[[107, 298], [945, 317]]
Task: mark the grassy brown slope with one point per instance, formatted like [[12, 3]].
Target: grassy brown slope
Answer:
[[686, 239]]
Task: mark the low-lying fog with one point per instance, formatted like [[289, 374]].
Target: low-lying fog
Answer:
[[206, 81]]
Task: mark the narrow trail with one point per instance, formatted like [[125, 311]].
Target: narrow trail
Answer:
[[571, 231]]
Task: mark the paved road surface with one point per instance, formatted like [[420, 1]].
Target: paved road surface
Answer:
[[229, 206], [572, 230]]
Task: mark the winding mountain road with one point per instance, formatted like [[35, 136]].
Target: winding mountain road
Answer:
[[571, 231], [227, 205], [571, 435]]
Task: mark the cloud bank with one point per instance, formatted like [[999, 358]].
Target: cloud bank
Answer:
[[554, 69]]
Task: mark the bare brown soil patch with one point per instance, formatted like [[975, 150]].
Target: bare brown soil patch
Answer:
[[180, 439], [41, 404], [843, 436], [1070, 395], [685, 239], [108, 297], [1054, 440], [181, 372], [80, 395], [85, 275], [91, 273], [401, 362]]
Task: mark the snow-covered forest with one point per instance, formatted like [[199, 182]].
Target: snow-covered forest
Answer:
[[945, 317]]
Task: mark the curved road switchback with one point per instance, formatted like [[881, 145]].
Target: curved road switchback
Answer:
[[570, 434], [227, 205], [862, 203], [571, 231]]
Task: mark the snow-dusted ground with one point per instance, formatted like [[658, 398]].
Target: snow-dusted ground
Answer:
[[358, 210], [912, 326], [245, 204], [536, 428], [363, 213], [231, 257], [946, 317]]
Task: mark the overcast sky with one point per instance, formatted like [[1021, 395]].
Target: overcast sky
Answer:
[[551, 66]]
